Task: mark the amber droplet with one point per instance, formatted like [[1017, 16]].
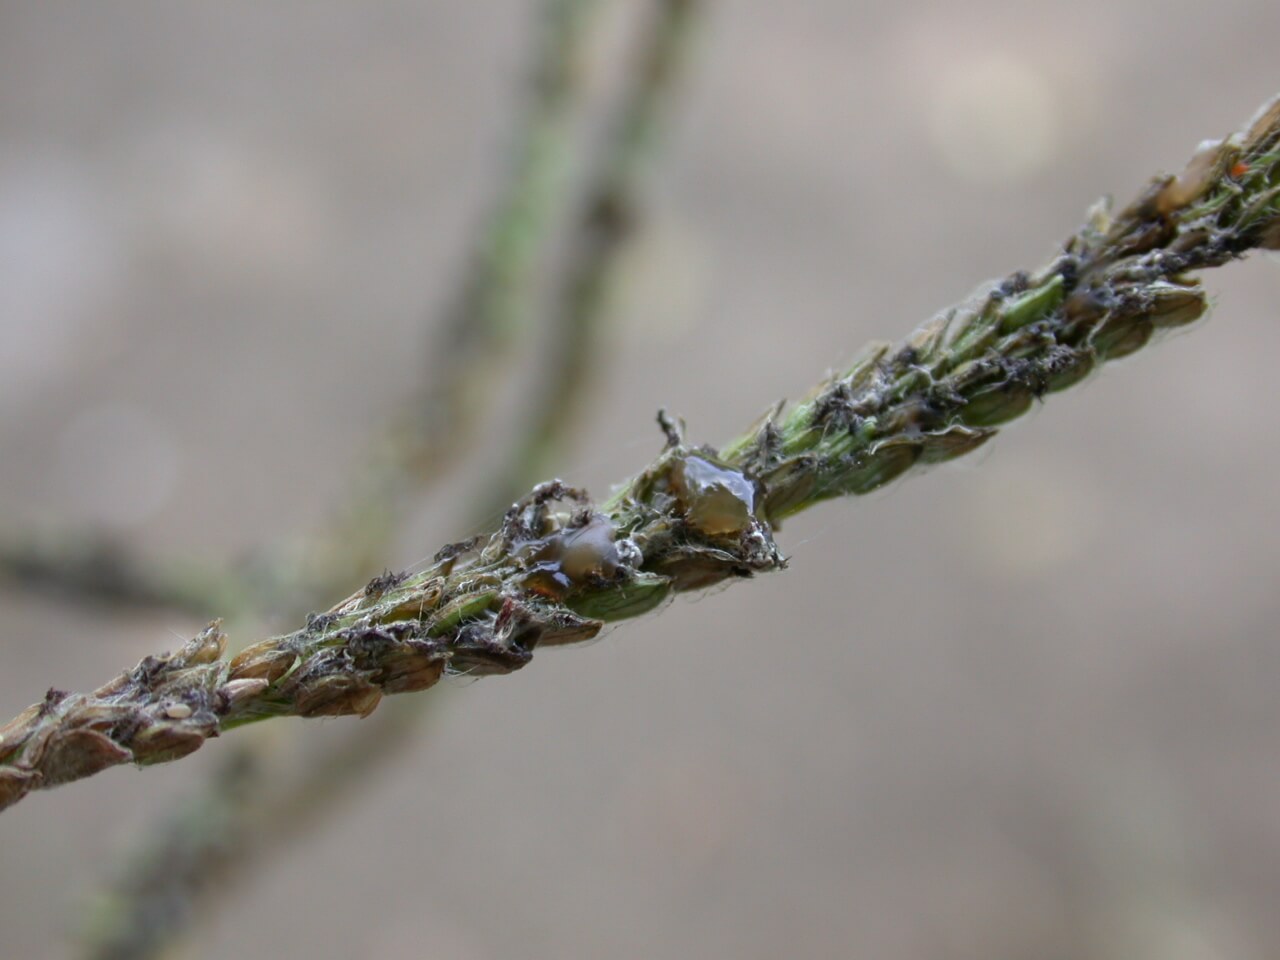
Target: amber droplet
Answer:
[[547, 580], [717, 501], [588, 551], [567, 558]]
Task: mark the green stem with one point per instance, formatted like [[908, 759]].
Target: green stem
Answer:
[[557, 568]]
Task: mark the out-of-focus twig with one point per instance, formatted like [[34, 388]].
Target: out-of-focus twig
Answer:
[[102, 569], [609, 218], [558, 567]]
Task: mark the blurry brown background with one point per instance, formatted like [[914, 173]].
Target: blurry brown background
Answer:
[[1019, 708]]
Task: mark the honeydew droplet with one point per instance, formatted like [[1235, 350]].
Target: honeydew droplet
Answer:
[[717, 501]]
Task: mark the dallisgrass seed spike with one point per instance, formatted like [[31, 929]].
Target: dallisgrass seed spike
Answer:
[[559, 567]]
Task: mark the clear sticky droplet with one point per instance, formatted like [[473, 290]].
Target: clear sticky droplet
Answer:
[[717, 501]]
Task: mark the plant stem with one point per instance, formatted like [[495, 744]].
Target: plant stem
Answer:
[[558, 568]]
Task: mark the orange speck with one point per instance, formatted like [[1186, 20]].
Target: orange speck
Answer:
[[1239, 168]]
